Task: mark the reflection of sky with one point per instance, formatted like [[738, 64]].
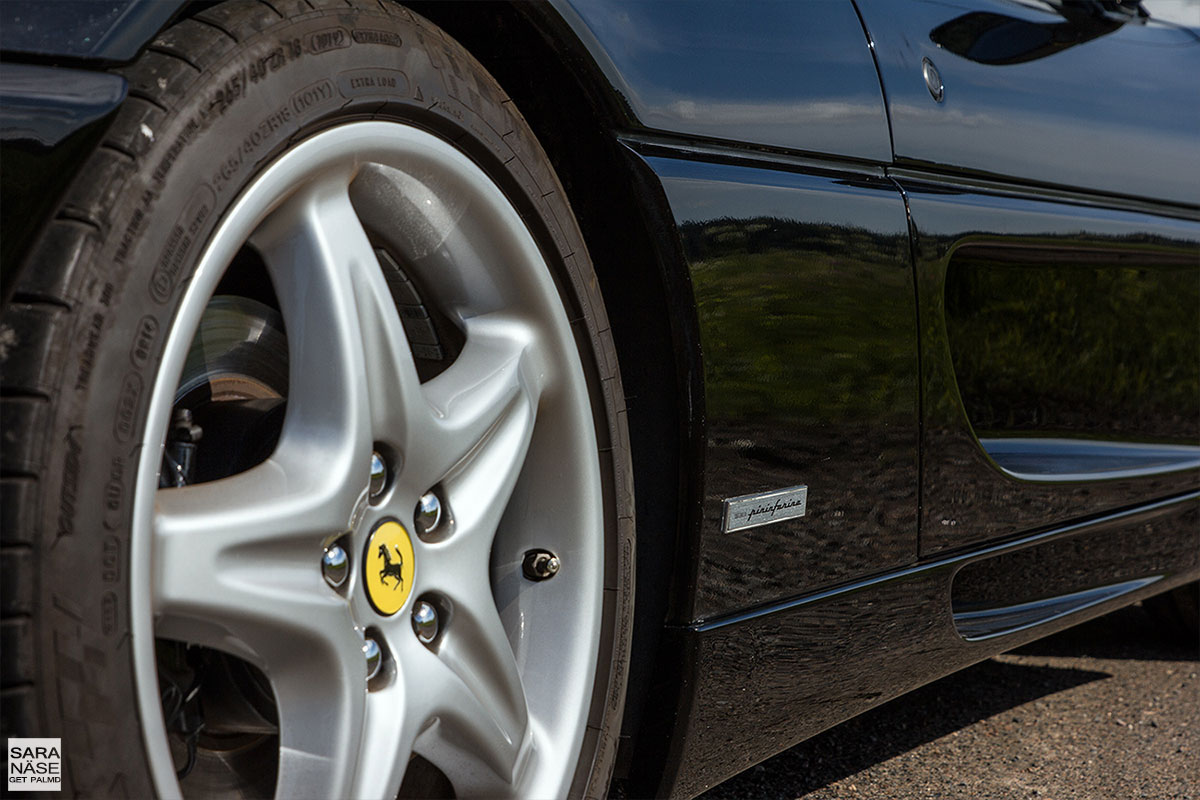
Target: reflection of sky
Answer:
[[46, 104], [1126, 155], [1118, 113], [683, 45], [700, 192], [1176, 12], [793, 74], [935, 215]]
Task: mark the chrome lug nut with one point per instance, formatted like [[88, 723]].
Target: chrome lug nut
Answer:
[[374, 655], [425, 621], [378, 475], [540, 565], [428, 514], [335, 566]]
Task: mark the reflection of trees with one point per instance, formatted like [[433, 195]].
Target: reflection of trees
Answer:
[[727, 236], [813, 322], [803, 321], [1096, 338]]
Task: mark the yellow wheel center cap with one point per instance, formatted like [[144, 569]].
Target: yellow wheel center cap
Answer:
[[388, 567]]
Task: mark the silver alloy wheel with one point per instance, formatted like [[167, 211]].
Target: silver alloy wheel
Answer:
[[499, 701]]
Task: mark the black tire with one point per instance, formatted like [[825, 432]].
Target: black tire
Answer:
[[216, 99]]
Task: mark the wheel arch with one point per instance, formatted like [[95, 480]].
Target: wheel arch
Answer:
[[578, 117]]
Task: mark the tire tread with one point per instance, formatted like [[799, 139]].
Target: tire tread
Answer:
[[16, 650], [18, 499], [38, 322], [18, 710], [32, 331], [240, 19], [22, 419], [16, 593]]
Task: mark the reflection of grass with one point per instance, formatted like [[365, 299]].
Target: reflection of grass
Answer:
[[814, 323], [1074, 344], [803, 321]]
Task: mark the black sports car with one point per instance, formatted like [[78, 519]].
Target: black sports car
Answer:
[[436, 399]]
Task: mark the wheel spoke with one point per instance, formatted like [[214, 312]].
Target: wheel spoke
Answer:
[[394, 717], [481, 738], [238, 555], [479, 489], [476, 445], [350, 367], [393, 387], [237, 569], [321, 695], [495, 378]]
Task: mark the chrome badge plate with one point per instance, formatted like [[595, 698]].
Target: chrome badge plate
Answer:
[[753, 510]]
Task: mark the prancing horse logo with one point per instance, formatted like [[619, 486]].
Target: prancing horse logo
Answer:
[[389, 569]]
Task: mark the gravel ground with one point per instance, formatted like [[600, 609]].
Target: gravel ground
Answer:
[[1109, 709]]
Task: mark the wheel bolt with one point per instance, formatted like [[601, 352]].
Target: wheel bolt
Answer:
[[428, 514], [540, 565], [378, 475], [425, 621], [374, 655], [335, 565]]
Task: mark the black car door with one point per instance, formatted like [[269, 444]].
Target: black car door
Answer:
[[1049, 154]]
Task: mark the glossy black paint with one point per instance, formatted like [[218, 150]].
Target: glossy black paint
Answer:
[[94, 30], [806, 308], [990, 38], [766, 680], [786, 74], [1068, 347], [42, 106], [1115, 112], [1071, 460], [1086, 335], [50, 119]]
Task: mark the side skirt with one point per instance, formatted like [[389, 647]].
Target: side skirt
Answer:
[[768, 678]]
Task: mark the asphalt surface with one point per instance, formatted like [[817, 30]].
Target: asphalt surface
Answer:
[[1109, 709]]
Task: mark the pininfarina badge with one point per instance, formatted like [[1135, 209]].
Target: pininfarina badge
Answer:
[[753, 510]]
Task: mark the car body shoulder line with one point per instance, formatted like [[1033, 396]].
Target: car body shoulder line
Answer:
[[940, 178], [692, 148]]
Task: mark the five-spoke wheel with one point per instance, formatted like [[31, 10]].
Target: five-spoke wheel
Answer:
[[371, 566]]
